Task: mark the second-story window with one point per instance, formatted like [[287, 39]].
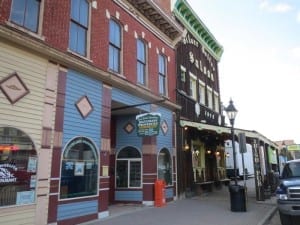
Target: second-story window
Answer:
[[114, 46], [79, 26], [210, 97], [193, 86], [182, 74], [25, 13], [216, 102], [141, 62], [162, 74], [201, 92]]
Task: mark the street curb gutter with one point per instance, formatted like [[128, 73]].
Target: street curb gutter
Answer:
[[268, 216]]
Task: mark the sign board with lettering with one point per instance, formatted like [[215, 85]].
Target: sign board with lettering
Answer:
[[148, 124], [293, 147]]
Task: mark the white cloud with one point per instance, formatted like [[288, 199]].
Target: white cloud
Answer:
[[277, 8], [298, 17], [296, 52], [282, 8], [264, 5]]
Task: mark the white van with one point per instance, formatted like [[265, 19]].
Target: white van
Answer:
[[248, 160]]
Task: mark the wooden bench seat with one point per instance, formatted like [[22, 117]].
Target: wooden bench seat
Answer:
[[206, 185]]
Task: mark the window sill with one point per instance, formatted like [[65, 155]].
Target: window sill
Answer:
[[116, 73], [79, 56], [20, 28]]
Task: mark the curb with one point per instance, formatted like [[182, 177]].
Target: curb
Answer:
[[268, 216]]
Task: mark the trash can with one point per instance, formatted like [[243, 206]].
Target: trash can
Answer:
[[237, 198]]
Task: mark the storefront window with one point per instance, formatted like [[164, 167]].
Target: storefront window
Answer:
[[18, 165], [165, 166], [129, 167], [79, 170]]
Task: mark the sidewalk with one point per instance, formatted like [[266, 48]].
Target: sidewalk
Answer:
[[211, 208]]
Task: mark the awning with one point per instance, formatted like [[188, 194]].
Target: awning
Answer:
[[203, 126], [227, 130]]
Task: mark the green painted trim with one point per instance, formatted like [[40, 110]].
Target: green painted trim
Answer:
[[194, 25]]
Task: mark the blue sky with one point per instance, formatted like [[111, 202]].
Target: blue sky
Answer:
[[260, 66]]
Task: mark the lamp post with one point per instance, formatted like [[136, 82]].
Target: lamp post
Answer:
[[231, 113], [237, 192]]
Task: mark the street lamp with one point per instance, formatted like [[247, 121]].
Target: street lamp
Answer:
[[237, 192], [231, 113]]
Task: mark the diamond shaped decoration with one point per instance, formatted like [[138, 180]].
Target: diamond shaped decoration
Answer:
[[13, 88], [164, 127], [128, 127], [84, 106]]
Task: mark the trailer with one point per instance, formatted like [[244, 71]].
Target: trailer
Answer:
[[248, 160]]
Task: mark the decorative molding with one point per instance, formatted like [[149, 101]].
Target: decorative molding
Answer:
[[193, 24], [84, 106], [129, 128], [164, 127], [13, 88]]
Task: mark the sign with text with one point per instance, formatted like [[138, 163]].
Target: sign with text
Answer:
[[293, 147], [148, 124]]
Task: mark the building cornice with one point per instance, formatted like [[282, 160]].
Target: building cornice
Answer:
[[161, 25], [186, 15]]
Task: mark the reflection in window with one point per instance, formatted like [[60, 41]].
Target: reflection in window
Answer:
[[210, 98], [129, 167], [79, 169], [141, 62], [291, 169], [26, 13], [162, 74], [201, 93], [79, 26], [216, 102], [165, 166], [193, 86], [18, 165], [114, 46]]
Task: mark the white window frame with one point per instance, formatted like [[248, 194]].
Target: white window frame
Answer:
[[144, 63], [37, 34], [129, 160], [209, 97], [182, 74], [216, 101], [193, 86], [201, 92]]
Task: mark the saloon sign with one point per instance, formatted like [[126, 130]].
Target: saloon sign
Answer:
[[148, 124]]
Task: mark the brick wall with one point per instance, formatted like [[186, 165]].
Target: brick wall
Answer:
[[55, 30]]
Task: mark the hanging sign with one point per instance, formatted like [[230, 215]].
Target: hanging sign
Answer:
[[148, 124]]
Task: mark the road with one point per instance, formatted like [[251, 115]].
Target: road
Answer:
[[275, 220]]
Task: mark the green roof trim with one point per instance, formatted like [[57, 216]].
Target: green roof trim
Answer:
[[186, 15]]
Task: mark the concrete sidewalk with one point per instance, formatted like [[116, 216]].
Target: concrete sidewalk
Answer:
[[211, 208]]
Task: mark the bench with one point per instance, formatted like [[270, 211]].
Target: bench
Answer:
[[226, 181], [206, 185]]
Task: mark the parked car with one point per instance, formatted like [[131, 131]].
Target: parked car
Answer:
[[288, 193]]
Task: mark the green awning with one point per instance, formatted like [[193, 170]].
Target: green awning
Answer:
[[272, 156]]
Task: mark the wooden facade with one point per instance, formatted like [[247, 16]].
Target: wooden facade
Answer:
[[202, 129], [33, 114]]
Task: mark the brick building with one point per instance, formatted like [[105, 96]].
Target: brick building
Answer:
[[77, 79]]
